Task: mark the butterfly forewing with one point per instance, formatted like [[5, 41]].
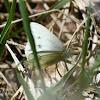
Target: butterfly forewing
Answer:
[[45, 40]]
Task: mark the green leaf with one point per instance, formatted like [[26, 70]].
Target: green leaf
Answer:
[[5, 32]]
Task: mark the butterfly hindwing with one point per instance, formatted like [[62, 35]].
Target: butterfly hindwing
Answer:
[[45, 60]]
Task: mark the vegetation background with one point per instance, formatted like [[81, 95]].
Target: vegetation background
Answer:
[[77, 24]]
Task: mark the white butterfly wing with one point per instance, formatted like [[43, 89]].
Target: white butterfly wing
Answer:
[[44, 39]]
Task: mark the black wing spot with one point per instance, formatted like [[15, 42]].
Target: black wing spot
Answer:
[[38, 37], [39, 46]]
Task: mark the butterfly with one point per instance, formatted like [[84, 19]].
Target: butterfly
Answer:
[[48, 46]]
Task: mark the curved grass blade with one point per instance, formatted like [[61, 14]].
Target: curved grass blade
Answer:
[[5, 32]]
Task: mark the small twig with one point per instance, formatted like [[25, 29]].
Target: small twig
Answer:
[[16, 44], [29, 7], [63, 22], [19, 20], [1, 74], [17, 92], [75, 33]]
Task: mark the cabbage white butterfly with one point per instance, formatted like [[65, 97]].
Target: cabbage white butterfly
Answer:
[[49, 47]]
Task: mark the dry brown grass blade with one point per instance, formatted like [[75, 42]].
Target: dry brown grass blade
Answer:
[[17, 62]]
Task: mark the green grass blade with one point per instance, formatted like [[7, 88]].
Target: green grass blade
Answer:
[[85, 43], [25, 86], [58, 5], [26, 24], [7, 4], [58, 86], [5, 32], [84, 49], [63, 80]]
